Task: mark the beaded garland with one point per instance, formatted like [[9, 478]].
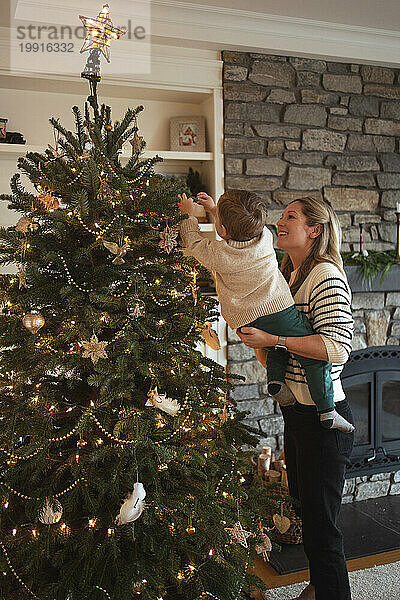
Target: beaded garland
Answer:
[[13, 571], [25, 497], [89, 414]]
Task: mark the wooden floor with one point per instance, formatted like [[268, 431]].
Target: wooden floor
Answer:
[[273, 580]]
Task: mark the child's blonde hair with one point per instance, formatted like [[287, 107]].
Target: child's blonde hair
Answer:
[[326, 247], [243, 214]]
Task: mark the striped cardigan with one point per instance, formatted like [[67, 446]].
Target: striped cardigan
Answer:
[[325, 298]]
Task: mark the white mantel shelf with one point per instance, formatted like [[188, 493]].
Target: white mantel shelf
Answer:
[[22, 149]]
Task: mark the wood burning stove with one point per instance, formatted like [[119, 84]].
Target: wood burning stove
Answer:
[[371, 380]]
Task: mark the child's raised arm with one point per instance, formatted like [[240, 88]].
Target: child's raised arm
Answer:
[[185, 205], [206, 202]]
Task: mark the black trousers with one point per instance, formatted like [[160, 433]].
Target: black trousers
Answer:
[[316, 459]]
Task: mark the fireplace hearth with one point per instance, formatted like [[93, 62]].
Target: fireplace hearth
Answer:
[[371, 380]]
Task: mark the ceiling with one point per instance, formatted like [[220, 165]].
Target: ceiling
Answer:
[[381, 14]]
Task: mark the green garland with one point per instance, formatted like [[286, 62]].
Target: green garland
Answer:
[[371, 264]]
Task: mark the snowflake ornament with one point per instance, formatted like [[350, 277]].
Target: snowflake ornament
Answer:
[[94, 349], [168, 239]]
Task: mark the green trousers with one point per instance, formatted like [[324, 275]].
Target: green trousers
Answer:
[[293, 323]]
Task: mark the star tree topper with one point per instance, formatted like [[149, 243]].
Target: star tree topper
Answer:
[[100, 32]]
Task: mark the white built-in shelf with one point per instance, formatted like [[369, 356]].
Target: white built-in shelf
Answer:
[[21, 149], [169, 155]]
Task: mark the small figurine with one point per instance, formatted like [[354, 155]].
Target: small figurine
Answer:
[[9, 137]]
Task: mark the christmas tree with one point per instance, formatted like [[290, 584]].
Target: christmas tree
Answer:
[[121, 470]]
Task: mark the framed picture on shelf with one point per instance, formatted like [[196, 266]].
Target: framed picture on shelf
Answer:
[[187, 134], [3, 128]]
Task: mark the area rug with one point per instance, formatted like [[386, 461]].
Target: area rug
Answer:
[[381, 582]]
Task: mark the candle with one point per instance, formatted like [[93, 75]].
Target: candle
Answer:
[[398, 207]]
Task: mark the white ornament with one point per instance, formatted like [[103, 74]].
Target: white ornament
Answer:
[[161, 402], [51, 511], [238, 534], [133, 505], [136, 308], [265, 546]]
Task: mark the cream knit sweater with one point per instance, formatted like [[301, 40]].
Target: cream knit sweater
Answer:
[[248, 281]]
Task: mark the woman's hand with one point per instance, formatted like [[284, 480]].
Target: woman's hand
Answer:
[[256, 338], [185, 205]]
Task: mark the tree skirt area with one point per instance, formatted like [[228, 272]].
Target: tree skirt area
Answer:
[[377, 582]]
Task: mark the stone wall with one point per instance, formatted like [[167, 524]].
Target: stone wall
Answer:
[[371, 486], [296, 126], [376, 319]]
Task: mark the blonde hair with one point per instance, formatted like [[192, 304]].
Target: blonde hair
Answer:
[[326, 247], [243, 214]]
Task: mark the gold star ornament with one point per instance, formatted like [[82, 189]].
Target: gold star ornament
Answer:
[[94, 349], [99, 32]]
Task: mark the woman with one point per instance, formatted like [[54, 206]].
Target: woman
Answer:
[[316, 458]]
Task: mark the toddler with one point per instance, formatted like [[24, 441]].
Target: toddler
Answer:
[[253, 292]]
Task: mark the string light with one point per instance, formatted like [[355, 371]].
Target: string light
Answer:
[[104, 591], [17, 577], [86, 290], [77, 177]]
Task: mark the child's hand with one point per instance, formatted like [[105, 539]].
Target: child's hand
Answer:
[[185, 205], [206, 202]]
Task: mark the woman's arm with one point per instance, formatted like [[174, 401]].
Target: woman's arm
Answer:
[[329, 312], [310, 346]]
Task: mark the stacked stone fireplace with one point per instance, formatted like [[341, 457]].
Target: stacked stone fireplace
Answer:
[[296, 126]]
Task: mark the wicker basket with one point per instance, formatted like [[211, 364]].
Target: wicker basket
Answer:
[[294, 535]]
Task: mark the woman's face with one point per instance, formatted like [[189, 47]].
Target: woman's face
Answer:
[[293, 232]]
